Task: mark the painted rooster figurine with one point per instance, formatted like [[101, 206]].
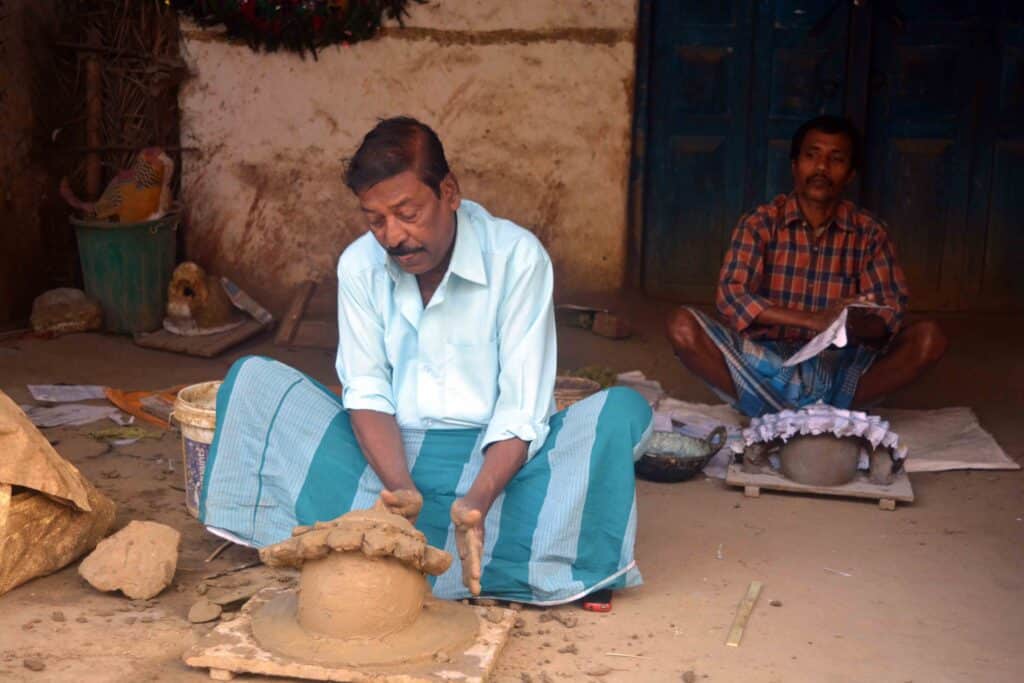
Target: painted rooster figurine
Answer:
[[140, 193]]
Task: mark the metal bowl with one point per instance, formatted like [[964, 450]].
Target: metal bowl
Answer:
[[673, 457]]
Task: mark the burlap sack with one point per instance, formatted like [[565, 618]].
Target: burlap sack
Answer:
[[50, 515]]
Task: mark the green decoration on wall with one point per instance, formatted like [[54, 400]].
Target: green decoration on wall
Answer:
[[297, 25]]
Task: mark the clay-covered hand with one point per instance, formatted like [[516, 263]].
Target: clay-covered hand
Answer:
[[469, 539], [404, 502]]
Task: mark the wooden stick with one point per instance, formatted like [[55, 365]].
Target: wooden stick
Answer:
[[93, 124], [221, 548], [86, 47], [131, 148], [743, 614], [302, 293]]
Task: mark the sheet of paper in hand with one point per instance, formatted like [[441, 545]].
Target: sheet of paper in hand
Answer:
[[834, 335]]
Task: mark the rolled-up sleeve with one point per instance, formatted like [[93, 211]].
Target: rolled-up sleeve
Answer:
[[527, 352], [740, 276], [883, 277], [362, 362]]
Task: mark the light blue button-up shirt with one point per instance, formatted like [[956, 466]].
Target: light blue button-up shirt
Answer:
[[481, 354]]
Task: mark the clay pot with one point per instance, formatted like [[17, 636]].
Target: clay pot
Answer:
[[822, 460]]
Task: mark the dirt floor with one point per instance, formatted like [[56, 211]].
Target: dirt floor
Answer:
[[931, 592]]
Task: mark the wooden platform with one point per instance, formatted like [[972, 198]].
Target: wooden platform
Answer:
[[230, 649], [204, 346], [899, 491]]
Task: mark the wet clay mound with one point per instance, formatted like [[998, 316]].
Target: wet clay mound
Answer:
[[374, 533]]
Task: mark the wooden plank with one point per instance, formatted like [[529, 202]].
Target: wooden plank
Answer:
[[316, 334], [899, 490], [206, 346], [743, 613], [296, 309], [324, 302]]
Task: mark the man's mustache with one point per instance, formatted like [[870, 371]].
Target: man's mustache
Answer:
[[822, 178], [403, 251]]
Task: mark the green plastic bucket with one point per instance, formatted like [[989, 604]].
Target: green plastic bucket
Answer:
[[127, 268]]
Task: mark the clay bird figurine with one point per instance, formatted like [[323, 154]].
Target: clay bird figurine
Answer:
[[140, 193]]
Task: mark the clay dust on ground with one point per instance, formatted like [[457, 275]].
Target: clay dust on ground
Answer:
[[930, 592]]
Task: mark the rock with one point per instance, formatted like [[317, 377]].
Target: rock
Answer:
[[147, 619], [139, 560], [569, 649], [81, 620], [494, 615], [34, 664], [776, 603], [525, 677], [203, 610], [130, 620], [232, 596], [597, 670], [65, 310], [689, 676]]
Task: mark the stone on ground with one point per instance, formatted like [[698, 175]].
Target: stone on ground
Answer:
[[139, 560]]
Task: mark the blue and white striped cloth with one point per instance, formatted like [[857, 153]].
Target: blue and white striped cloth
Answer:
[[765, 385], [284, 454]]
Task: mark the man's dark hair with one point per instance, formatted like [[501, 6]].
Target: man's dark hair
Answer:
[[394, 146], [832, 125]]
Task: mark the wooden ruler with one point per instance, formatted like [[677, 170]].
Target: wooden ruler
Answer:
[[743, 614]]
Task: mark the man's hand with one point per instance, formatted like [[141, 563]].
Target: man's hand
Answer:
[[469, 538], [821, 320], [404, 502]]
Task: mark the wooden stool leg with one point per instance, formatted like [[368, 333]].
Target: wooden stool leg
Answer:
[[887, 504], [752, 491]]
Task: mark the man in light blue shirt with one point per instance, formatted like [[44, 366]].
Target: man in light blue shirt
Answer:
[[447, 358]]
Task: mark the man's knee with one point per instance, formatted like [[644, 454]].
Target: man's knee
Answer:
[[928, 340], [683, 329]]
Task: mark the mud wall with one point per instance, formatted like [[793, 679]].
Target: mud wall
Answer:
[[532, 100]]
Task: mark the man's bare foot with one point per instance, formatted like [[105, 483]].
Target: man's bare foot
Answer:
[[469, 538], [404, 502]]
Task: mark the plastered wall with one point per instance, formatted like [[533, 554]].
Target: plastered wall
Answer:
[[532, 100]]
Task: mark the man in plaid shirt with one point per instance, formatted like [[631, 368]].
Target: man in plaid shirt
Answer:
[[793, 265]]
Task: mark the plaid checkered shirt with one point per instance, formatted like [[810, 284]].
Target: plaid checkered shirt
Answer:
[[774, 259]]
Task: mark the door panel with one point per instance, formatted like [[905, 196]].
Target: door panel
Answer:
[[1002, 224], [920, 143], [700, 68], [800, 64]]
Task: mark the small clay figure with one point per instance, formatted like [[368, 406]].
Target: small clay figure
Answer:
[[197, 302]]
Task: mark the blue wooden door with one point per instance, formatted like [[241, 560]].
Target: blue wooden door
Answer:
[[928, 84], [995, 264], [729, 83], [937, 87], [697, 158]]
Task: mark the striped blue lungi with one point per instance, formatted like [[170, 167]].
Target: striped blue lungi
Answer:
[[764, 385], [284, 454]]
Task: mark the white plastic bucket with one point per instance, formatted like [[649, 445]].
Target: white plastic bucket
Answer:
[[195, 410]]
